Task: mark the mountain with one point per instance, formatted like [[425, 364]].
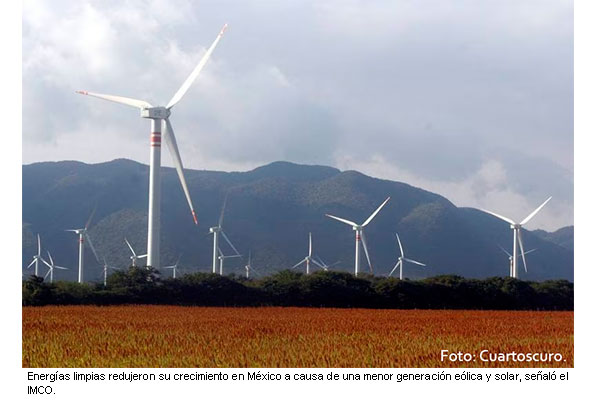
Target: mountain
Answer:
[[270, 210], [564, 237]]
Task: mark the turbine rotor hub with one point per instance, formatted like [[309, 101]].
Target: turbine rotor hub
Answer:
[[155, 113]]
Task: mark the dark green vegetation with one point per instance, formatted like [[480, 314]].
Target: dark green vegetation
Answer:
[[139, 285], [270, 211]]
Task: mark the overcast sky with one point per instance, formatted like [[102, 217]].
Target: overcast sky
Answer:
[[469, 99]]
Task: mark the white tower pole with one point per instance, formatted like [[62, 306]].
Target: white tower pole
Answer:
[[105, 272], [80, 276], [357, 252], [154, 195], [215, 250], [401, 265], [515, 259]]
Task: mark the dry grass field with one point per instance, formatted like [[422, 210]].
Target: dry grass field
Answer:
[[173, 336]]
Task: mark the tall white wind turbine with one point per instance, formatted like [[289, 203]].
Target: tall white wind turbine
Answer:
[[216, 231], [517, 240], [37, 257], [401, 260], [248, 267], [309, 258], [51, 267], [134, 256], [83, 234], [159, 125], [360, 237], [105, 269]]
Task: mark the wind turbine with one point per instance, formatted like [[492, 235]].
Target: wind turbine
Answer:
[[51, 267], [159, 124], [105, 269], [222, 258], [248, 267], [309, 258], [216, 230], [37, 257], [174, 267], [133, 255], [360, 237], [82, 232], [510, 257], [516, 227], [401, 259]]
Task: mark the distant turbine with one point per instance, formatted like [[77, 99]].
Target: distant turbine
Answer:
[[401, 260], [222, 258], [360, 237], [510, 257], [516, 227], [159, 123], [309, 258], [174, 267], [248, 267], [216, 231], [105, 269], [37, 258], [82, 232], [133, 255], [51, 267]]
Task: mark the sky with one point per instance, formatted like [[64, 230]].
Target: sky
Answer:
[[471, 99]]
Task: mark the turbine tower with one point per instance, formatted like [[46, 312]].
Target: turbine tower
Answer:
[[216, 231], [248, 267], [401, 259], [309, 258], [36, 258], [360, 237], [133, 255], [510, 257], [174, 267], [517, 240], [160, 128], [82, 232], [105, 269], [51, 267]]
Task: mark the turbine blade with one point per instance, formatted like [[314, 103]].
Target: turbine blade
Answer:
[[130, 248], [395, 266], [46, 262], [222, 216], [530, 251], [309, 244], [526, 220], [231, 244], [89, 240], [400, 245], [505, 251], [510, 221], [363, 240], [47, 273], [413, 261], [39, 246], [375, 212], [56, 266], [87, 224], [188, 82], [174, 151], [522, 252], [342, 220], [50, 257], [118, 99], [300, 263], [33, 262]]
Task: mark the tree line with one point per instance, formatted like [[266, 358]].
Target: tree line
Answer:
[[141, 285]]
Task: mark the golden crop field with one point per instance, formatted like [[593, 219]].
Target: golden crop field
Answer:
[[173, 336]]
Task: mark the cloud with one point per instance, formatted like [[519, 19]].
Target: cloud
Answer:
[[445, 94]]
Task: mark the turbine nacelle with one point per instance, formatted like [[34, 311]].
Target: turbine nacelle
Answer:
[[155, 113], [214, 229]]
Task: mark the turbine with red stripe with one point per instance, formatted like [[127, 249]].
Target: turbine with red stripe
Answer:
[[360, 237], [161, 130]]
